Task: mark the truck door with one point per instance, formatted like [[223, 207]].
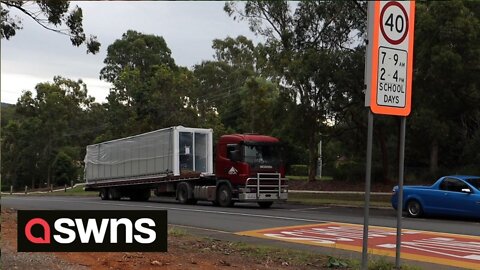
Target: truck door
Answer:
[[226, 167]]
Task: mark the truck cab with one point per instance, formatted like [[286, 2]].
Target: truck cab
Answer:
[[250, 168]]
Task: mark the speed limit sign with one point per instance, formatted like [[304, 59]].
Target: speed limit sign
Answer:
[[390, 57]]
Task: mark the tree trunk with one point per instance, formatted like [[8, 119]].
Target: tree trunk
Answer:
[[434, 157], [49, 175]]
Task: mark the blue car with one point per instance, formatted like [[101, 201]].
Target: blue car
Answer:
[[456, 195]]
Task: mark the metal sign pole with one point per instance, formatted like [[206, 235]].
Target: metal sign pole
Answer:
[[401, 165], [368, 175]]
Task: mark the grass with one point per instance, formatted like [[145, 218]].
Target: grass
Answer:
[[305, 178], [176, 232], [286, 256], [339, 199], [354, 200], [76, 191]]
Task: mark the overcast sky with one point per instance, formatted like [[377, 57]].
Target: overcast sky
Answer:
[[36, 55]]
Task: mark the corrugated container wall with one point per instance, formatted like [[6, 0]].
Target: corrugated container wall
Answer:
[[165, 151]]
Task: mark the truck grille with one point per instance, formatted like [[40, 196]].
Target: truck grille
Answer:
[[267, 183]]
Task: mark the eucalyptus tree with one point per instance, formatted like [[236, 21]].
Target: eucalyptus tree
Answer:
[[44, 124], [149, 90], [445, 116], [51, 15], [237, 86], [304, 42]]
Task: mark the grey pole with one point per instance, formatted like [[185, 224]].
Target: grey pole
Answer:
[[368, 174], [320, 161], [401, 165], [11, 190]]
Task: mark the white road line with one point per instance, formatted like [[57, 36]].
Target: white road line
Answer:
[[186, 210], [308, 209]]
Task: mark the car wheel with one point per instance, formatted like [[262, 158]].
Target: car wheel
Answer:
[[414, 208]]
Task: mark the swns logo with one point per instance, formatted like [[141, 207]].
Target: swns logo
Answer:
[[92, 231]]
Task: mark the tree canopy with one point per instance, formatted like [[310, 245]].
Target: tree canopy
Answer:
[[51, 15], [303, 84], [304, 45]]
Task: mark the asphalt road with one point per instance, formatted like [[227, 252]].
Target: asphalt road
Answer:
[[244, 217], [221, 223]]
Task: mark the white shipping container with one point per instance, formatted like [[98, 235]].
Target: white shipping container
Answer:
[[173, 150]]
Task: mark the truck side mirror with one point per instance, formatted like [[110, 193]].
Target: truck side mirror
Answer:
[[235, 155]]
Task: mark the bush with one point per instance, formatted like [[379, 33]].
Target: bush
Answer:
[[64, 169], [350, 171], [299, 170]]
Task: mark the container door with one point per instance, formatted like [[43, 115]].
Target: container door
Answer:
[[201, 152], [185, 146]]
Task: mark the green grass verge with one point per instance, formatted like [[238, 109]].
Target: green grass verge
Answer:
[[285, 256], [76, 191], [339, 199], [301, 198], [305, 178]]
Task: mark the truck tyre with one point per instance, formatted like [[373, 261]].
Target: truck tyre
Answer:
[[104, 194], [265, 204], [185, 194], [114, 194], [140, 195], [224, 196]]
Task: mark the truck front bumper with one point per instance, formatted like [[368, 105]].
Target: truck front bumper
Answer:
[[254, 197]]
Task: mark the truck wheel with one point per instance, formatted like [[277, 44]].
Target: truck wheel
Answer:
[[265, 204], [224, 196], [185, 194], [104, 194], [414, 208], [114, 194]]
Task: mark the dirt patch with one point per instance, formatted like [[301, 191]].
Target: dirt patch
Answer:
[[184, 252]]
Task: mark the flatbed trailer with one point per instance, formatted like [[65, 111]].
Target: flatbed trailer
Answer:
[[178, 161]]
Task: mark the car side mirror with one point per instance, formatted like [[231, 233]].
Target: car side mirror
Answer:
[[466, 190], [235, 155]]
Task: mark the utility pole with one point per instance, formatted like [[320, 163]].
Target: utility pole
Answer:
[[320, 160]]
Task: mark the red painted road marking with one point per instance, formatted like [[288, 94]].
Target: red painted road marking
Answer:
[[441, 248]]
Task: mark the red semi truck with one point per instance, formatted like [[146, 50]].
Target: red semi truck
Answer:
[[178, 161]]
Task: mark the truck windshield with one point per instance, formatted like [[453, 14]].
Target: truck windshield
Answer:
[[263, 156]]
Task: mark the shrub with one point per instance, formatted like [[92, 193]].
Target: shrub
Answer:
[[299, 170]]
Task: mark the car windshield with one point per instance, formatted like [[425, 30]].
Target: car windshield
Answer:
[[474, 182], [262, 154]]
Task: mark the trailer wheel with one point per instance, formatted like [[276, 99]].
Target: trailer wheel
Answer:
[[104, 194], [114, 194], [224, 196], [265, 204], [185, 194]]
